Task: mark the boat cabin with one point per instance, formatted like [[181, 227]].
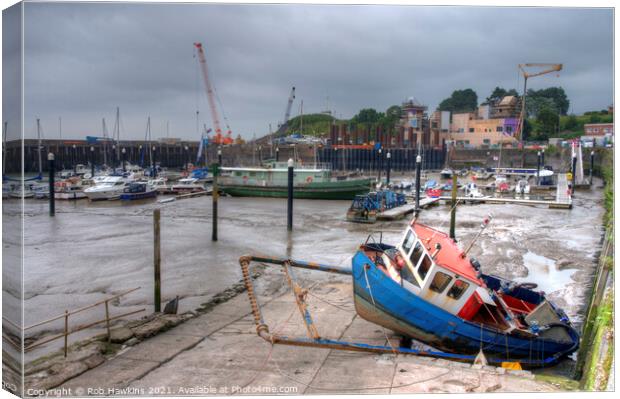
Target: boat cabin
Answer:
[[429, 264]]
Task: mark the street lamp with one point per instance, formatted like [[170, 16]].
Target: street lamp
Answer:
[[123, 158], [74, 159], [187, 155], [219, 156], [389, 160]]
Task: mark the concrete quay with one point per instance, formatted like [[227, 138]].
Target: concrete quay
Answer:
[[219, 353]]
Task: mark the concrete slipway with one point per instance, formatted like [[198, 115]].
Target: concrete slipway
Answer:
[[219, 353]]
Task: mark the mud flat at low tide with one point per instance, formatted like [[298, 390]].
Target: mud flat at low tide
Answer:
[[91, 250]]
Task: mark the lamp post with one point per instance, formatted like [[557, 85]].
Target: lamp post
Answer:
[[219, 156], [74, 159], [542, 162], [123, 158], [418, 164], [50, 159], [114, 160], [154, 168], [277, 154], [187, 156]]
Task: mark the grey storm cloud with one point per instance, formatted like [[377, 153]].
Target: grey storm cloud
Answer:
[[82, 60]]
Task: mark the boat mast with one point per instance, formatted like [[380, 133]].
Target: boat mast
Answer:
[[105, 139], [39, 146]]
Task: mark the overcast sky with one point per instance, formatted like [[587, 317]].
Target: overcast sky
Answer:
[[83, 60]]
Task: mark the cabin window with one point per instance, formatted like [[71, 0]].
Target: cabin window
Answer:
[[408, 243], [415, 255], [425, 265], [406, 274], [440, 282], [458, 288]]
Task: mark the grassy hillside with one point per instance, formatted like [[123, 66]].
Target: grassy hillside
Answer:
[[313, 124]]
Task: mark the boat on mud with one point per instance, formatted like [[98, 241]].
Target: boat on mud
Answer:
[[364, 208], [107, 188], [138, 190], [309, 182], [426, 289]]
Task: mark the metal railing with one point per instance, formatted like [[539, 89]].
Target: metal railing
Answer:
[[66, 332]]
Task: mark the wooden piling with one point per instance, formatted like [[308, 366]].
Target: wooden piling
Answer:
[[453, 210], [157, 260]]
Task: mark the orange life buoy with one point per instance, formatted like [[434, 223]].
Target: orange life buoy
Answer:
[[309, 179]]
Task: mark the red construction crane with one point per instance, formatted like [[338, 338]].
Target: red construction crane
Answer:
[[218, 138]]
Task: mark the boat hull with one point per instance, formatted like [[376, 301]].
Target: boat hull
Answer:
[[400, 310], [138, 196], [340, 190]]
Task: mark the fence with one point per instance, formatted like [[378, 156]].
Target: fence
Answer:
[[66, 315], [401, 159]]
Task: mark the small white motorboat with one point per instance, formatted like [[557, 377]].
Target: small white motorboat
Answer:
[[109, 188], [188, 185], [472, 191]]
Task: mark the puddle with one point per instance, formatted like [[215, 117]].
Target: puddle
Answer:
[[543, 271]]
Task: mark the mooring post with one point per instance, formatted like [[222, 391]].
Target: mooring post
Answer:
[[418, 165], [289, 214], [591, 166], [453, 210], [574, 177], [538, 168], [157, 260], [50, 159], [389, 165], [215, 196], [92, 161]]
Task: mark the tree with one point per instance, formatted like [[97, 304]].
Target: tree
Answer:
[[367, 116], [547, 120], [460, 101], [551, 95], [571, 123]]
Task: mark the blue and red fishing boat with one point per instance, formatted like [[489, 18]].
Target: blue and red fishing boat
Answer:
[[425, 288]]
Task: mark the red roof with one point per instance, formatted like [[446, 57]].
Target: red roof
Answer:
[[450, 255]]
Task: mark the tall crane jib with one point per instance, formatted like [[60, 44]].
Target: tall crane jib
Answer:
[[287, 113], [219, 138]]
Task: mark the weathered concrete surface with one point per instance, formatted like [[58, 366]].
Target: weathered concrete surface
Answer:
[[220, 353]]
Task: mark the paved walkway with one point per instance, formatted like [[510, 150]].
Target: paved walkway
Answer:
[[220, 353]]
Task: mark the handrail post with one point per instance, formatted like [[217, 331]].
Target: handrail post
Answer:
[[66, 330], [107, 320]]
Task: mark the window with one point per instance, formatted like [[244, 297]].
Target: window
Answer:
[[471, 130], [458, 288], [408, 242], [499, 129], [415, 255], [440, 282], [425, 265], [406, 274], [486, 141], [461, 130], [509, 129]]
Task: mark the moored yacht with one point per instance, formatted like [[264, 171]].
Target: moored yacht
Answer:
[[108, 188]]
